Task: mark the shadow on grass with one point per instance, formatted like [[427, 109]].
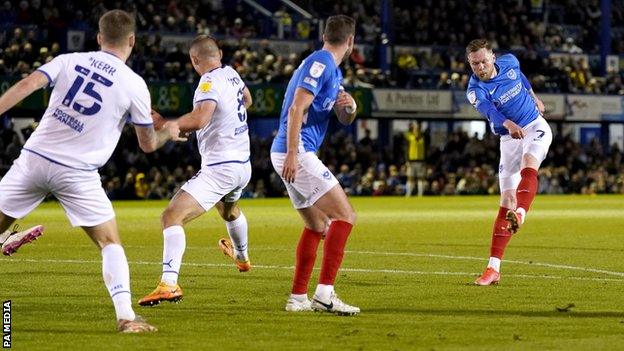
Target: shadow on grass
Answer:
[[494, 313]]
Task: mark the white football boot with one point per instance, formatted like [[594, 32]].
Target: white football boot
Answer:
[[296, 305], [334, 305]]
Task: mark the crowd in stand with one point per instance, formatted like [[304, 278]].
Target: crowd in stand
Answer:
[[31, 33], [465, 165]]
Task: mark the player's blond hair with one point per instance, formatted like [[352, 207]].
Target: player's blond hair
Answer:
[[477, 45], [116, 26]]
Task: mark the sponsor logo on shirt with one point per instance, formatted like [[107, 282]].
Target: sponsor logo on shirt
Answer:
[[68, 120], [510, 94], [240, 130], [328, 104], [316, 69], [310, 81]]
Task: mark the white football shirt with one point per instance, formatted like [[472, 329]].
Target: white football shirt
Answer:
[[94, 94], [226, 137]]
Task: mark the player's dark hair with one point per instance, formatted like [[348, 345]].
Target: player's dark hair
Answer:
[[116, 26], [338, 29], [477, 45], [206, 45]]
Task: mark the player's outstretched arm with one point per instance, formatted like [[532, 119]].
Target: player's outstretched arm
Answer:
[[300, 105], [22, 89], [198, 118], [345, 108], [150, 140]]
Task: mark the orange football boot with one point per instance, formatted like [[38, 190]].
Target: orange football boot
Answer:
[[226, 247], [163, 292]]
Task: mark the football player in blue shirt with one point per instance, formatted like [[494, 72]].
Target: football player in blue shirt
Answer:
[[312, 93], [503, 95]]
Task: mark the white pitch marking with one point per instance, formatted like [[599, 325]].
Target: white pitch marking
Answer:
[[355, 270], [417, 254], [549, 265]]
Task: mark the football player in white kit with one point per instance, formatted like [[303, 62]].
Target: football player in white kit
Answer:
[[94, 94], [219, 118]]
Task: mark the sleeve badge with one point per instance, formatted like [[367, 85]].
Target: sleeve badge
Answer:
[[205, 87], [316, 69], [472, 97]]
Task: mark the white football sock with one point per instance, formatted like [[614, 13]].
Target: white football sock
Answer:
[[495, 263], [173, 250], [299, 297], [117, 280], [323, 292], [237, 230]]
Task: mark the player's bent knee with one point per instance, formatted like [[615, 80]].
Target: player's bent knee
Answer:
[[169, 218], [352, 217], [103, 239], [108, 241], [230, 214], [318, 227], [348, 216], [229, 217]]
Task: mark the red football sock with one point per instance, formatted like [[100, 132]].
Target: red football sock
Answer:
[[333, 250], [527, 188], [306, 256], [500, 234]]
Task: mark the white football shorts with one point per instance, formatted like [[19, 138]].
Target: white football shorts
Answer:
[[536, 143], [32, 177], [313, 179], [223, 181]]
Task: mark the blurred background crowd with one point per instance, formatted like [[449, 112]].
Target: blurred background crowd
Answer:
[[428, 37], [555, 44], [465, 165]]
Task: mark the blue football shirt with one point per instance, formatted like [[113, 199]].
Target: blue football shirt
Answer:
[[319, 75], [506, 96]]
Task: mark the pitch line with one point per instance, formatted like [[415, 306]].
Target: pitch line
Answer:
[[549, 265], [418, 254], [354, 270]]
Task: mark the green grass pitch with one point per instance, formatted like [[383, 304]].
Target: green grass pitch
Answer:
[[409, 267]]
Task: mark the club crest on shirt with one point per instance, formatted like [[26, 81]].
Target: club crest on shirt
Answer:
[[205, 87], [326, 175], [316, 69], [511, 74]]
